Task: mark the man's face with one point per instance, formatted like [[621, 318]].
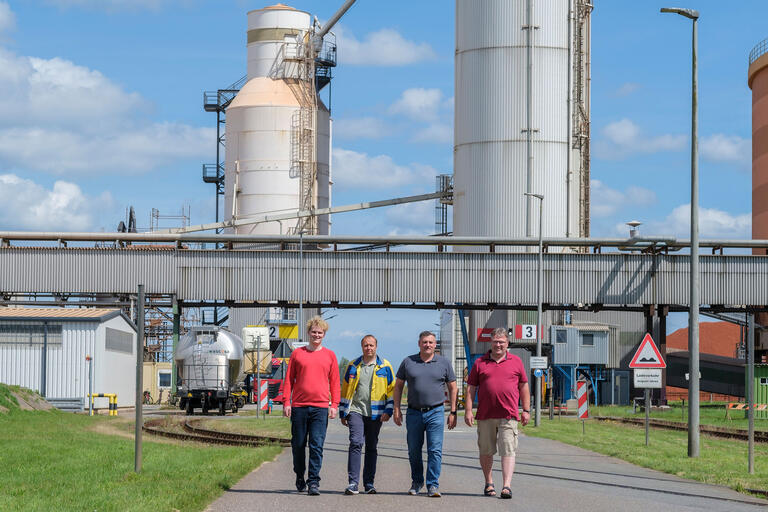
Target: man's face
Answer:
[[427, 345], [316, 335], [499, 345], [369, 347]]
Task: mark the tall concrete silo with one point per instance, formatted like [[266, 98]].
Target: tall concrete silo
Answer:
[[757, 79], [521, 124], [278, 130]]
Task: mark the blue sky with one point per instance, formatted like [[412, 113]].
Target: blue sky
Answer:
[[101, 108]]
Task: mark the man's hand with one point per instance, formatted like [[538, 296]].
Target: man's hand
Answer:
[[451, 421], [525, 417], [332, 412], [384, 417], [287, 410], [397, 416], [344, 421], [469, 418]]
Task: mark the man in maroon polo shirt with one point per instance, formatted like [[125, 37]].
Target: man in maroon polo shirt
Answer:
[[500, 381]]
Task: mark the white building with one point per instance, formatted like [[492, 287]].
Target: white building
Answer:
[[45, 349]]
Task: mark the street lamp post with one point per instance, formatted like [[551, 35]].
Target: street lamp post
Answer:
[[693, 315], [537, 417]]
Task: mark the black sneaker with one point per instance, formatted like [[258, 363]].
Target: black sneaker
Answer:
[[352, 489], [314, 490], [301, 485], [370, 490]]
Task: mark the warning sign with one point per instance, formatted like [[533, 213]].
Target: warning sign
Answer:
[[647, 355]]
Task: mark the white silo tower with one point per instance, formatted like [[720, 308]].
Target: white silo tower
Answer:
[[521, 124], [514, 134], [278, 131]]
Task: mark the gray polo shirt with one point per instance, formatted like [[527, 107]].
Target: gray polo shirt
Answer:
[[426, 381]]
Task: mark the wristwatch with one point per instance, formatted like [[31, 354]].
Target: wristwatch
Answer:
[[528, 411], [453, 412]]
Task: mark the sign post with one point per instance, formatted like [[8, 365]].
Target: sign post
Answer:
[[646, 365], [581, 397]]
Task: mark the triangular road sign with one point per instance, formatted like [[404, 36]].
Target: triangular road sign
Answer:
[[647, 355]]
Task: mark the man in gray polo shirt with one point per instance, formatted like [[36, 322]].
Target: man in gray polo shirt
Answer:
[[427, 376]]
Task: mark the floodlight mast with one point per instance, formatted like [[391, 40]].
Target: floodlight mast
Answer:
[[688, 13]]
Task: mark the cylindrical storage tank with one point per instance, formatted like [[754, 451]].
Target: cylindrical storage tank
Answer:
[[757, 79], [268, 29], [261, 174], [758, 82], [490, 155]]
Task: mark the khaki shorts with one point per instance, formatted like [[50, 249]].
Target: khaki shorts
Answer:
[[493, 433]]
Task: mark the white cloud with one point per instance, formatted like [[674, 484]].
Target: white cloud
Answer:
[[605, 201], [352, 169], [361, 128], [385, 47], [627, 88], [130, 152], [351, 334], [440, 133], [713, 223], [25, 204], [624, 137], [411, 218], [419, 104], [726, 148], [59, 117], [7, 19]]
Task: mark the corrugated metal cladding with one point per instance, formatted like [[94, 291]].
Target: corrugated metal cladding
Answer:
[[626, 331], [490, 157], [398, 277], [574, 350], [67, 372]]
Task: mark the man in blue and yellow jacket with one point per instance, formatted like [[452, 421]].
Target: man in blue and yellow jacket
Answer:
[[366, 402]]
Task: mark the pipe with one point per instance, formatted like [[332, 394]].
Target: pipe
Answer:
[[139, 378], [569, 125], [529, 118], [335, 18], [44, 362]]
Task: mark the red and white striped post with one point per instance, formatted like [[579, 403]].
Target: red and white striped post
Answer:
[[581, 397], [264, 396]]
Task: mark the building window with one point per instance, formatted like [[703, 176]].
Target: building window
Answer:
[[764, 381], [562, 336], [29, 333], [587, 340], [164, 379]]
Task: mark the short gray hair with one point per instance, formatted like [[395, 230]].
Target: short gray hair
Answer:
[[500, 332], [424, 334]]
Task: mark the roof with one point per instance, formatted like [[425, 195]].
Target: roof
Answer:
[[61, 314], [717, 338]]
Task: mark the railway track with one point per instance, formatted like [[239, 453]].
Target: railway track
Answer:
[[728, 433], [192, 432]]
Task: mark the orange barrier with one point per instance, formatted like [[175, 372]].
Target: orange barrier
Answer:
[[742, 407]]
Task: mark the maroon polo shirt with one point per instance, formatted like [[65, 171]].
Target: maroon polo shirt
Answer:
[[497, 391]]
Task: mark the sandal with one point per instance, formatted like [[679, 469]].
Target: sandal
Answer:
[[489, 490], [506, 493]]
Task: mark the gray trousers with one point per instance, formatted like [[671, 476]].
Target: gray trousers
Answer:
[[362, 430]]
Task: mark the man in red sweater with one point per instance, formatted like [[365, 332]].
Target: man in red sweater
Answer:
[[311, 384]]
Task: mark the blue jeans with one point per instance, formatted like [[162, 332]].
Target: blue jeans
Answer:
[[417, 424], [362, 429], [308, 423]]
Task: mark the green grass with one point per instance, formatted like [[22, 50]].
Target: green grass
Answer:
[[712, 415], [272, 425], [56, 461], [721, 462]]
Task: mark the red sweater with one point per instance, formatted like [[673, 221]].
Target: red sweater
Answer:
[[312, 379]]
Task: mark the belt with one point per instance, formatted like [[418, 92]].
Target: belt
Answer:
[[426, 409]]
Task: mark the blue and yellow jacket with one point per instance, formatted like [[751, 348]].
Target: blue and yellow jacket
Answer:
[[382, 388]]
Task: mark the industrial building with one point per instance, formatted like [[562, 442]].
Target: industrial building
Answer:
[[45, 349]]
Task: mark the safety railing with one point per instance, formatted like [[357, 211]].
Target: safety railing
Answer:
[[758, 51]]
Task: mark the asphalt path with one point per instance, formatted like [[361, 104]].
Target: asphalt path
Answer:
[[549, 476]]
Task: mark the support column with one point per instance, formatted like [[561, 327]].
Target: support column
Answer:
[[176, 328], [649, 310], [663, 312]]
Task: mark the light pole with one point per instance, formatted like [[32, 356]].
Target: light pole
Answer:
[[693, 315], [537, 417]]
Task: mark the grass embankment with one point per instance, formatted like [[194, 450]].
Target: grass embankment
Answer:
[[720, 462], [57, 461], [713, 414]]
